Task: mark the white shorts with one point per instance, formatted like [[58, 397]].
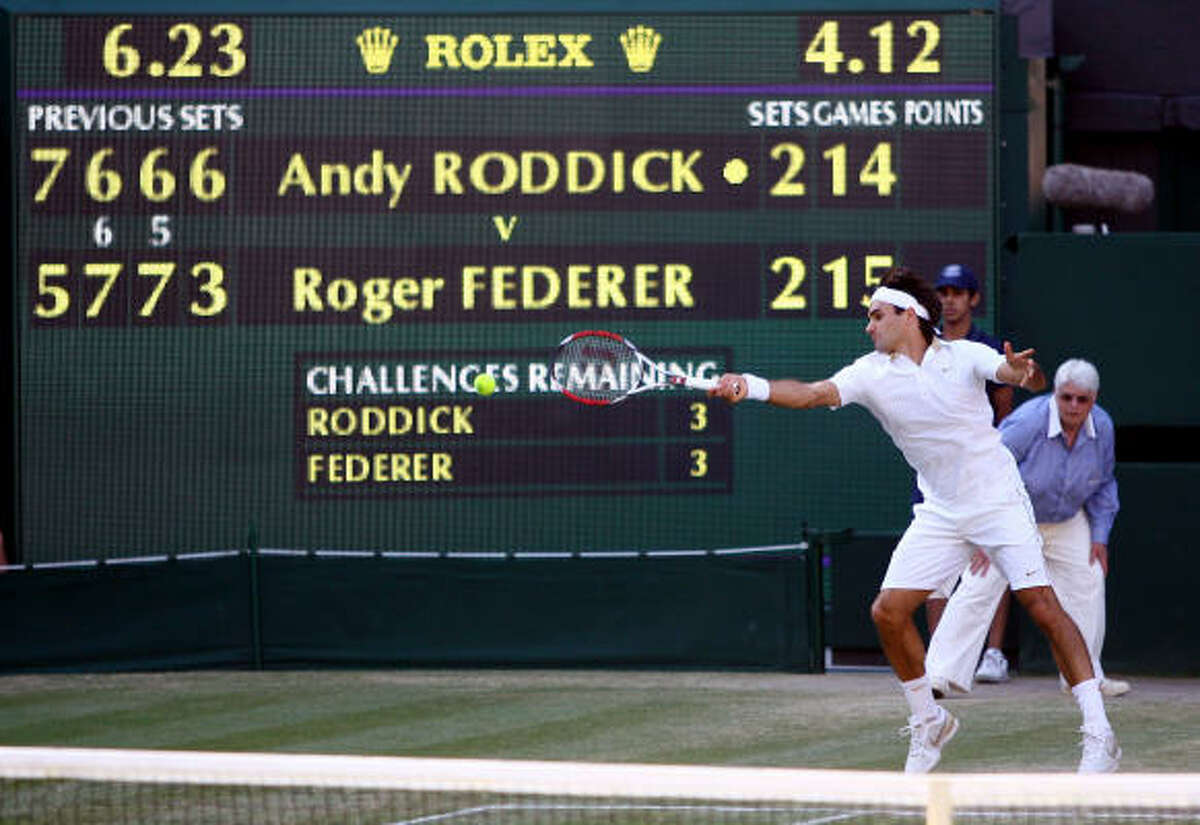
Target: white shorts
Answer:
[[937, 546], [946, 589]]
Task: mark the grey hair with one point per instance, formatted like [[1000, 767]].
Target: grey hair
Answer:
[[1080, 373]]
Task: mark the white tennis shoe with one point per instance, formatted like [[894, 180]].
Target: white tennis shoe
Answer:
[[993, 667], [928, 739], [1108, 687], [1101, 753], [1114, 687]]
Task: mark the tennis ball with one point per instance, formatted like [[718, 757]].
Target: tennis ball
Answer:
[[485, 384]]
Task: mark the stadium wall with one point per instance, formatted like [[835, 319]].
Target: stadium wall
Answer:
[[1121, 301], [251, 609]]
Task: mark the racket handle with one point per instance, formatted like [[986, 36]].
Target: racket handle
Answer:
[[703, 384]]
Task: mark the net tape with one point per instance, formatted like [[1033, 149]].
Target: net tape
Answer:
[[932, 793]]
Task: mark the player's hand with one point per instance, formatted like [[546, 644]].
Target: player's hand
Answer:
[[1023, 364], [731, 386], [1099, 554], [980, 562]]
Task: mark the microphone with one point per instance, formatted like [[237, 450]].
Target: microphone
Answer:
[[1066, 184]]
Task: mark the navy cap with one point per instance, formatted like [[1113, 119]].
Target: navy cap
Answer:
[[958, 276]]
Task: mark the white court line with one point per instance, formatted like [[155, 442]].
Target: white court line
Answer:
[[840, 815], [840, 818], [482, 809]]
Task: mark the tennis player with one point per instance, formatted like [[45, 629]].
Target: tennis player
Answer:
[[928, 394]]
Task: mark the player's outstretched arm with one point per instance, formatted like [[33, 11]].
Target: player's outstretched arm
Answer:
[[797, 395], [1020, 370]]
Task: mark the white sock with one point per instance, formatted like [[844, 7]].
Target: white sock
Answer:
[[919, 694], [1091, 703]]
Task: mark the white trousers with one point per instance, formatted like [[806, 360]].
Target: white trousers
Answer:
[[1067, 545]]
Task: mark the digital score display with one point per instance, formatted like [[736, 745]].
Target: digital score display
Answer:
[[260, 260]]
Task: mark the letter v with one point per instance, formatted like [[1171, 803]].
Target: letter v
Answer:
[[505, 228]]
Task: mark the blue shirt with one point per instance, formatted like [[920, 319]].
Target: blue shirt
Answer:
[[1061, 481]]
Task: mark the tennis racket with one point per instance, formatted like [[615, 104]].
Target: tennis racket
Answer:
[[602, 368]]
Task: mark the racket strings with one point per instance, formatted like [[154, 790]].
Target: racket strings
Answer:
[[597, 368]]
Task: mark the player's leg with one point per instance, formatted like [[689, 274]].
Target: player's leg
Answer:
[[935, 608], [954, 648], [1100, 751], [928, 554], [929, 725], [1066, 642], [892, 613], [1010, 531]]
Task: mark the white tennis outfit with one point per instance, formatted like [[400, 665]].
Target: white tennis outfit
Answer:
[[938, 415], [1079, 585]]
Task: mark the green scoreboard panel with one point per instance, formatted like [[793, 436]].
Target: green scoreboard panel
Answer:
[[258, 262]]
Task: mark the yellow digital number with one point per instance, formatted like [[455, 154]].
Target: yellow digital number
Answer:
[[109, 272], [836, 155], [119, 60], [787, 186], [932, 35], [699, 421], [163, 271], [157, 184], [56, 155], [192, 39], [870, 279], [790, 297], [878, 172], [231, 48], [212, 286], [699, 468], [883, 33], [60, 298], [839, 271], [102, 184], [123, 60], [823, 48], [207, 184]]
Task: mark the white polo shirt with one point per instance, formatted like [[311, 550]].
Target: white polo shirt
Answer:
[[937, 413]]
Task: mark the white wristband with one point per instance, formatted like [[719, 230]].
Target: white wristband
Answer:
[[757, 389]]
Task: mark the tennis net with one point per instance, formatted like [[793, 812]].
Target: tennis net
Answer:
[[93, 786]]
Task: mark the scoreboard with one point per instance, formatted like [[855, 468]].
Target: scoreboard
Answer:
[[257, 262]]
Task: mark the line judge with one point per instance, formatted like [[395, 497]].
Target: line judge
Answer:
[[1065, 449]]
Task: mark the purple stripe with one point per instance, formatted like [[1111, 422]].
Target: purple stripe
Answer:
[[512, 91]]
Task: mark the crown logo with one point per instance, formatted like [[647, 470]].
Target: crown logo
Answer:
[[376, 46], [641, 45]]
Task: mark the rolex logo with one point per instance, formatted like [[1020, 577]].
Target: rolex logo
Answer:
[[376, 46], [641, 45]]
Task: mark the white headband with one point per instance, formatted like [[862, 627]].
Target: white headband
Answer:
[[900, 299]]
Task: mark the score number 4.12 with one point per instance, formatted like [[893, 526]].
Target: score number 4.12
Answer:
[[824, 48]]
